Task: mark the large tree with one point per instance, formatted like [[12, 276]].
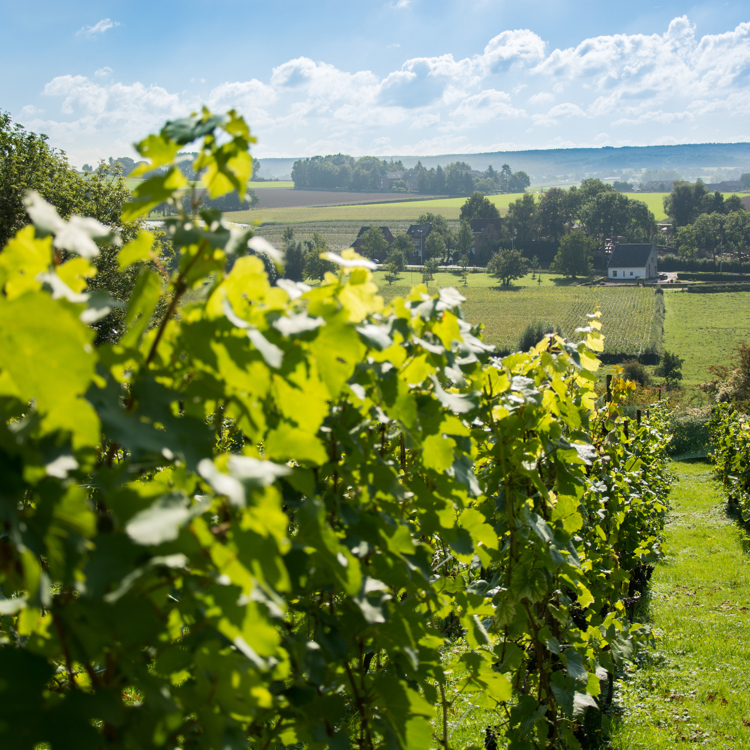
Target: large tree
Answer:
[[506, 265], [737, 233], [439, 225], [464, 239], [554, 214], [27, 163], [522, 220], [478, 207], [374, 244], [575, 255], [683, 204], [434, 247]]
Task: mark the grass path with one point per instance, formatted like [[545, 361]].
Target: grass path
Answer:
[[693, 687]]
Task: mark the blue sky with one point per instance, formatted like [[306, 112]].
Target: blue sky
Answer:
[[381, 76]]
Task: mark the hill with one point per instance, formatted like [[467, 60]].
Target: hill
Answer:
[[690, 160]]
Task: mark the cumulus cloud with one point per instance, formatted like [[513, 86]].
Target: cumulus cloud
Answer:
[[662, 85], [541, 98], [485, 107], [98, 28]]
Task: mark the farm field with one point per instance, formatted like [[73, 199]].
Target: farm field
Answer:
[[704, 329], [627, 314], [289, 198], [391, 210]]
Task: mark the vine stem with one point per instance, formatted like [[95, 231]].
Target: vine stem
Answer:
[[180, 288], [445, 706]]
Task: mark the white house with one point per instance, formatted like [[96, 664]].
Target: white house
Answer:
[[631, 262]]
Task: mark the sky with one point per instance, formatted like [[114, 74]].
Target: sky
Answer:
[[380, 77]]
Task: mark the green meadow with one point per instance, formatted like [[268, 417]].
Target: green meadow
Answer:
[[704, 329]]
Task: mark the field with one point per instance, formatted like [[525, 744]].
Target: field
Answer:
[[394, 210], [704, 329], [627, 313], [271, 198]]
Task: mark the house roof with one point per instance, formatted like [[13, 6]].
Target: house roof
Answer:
[[419, 229], [630, 256], [479, 225]]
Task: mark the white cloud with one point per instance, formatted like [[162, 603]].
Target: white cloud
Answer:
[[485, 107], [98, 28], [667, 84], [400, 4], [541, 98]]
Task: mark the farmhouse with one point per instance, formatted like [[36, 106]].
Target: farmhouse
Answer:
[[631, 262], [385, 231], [419, 234], [486, 233]]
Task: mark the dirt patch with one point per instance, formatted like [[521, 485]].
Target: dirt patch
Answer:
[[290, 198]]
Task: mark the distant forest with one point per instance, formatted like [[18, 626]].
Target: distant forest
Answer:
[[371, 174], [574, 164]]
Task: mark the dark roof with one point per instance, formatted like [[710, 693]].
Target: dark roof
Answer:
[[385, 231], [419, 229], [479, 225], [630, 256]]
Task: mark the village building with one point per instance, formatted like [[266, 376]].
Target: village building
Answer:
[[419, 234], [632, 262], [486, 234], [387, 181], [385, 231]]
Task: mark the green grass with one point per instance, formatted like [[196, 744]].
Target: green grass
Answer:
[[692, 688], [271, 184], [704, 329], [627, 313], [450, 208]]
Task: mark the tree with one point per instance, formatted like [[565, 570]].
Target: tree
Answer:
[[434, 247], [478, 207], [464, 239], [430, 268], [316, 267], [403, 243], [28, 163], [464, 263], [682, 205], [708, 232], [374, 244], [396, 260], [518, 182], [439, 225], [294, 261], [287, 237], [522, 220], [687, 244], [733, 203], [507, 265], [634, 371], [554, 215], [737, 232], [395, 263], [670, 368], [574, 258], [745, 180]]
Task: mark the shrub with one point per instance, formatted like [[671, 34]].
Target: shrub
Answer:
[[535, 332], [634, 371]]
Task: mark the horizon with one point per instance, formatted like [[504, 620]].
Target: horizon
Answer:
[[383, 77]]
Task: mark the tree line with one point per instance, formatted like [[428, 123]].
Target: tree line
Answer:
[[371, 174], [708, 224]]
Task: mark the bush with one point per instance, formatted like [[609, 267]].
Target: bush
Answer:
[[634, 371], [534, 333]]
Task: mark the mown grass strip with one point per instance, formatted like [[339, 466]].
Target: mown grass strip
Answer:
[[692, 687]]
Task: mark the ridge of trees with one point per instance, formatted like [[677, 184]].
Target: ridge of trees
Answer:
[[367, 174]]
